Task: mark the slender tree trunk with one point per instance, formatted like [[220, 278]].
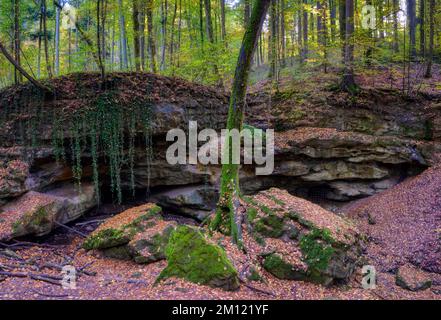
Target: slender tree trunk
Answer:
[[99, 34], [11, 59], [273, 41], [142, 17], [46, 42], [209, 27], [123, 38], [40, 32], [333, 15], [227, 219], [342, 23], [380, 19], [282, 32], [305, 32], [172, 40], [422, 18], [17, 40], [320, 25], [136, 35], [431, 38], [246, 12], [300, 31], [151, 39], [57, 40], [396, 8], [164, 8], [411, 25], [223, 26], [201, 22], [348, 83]]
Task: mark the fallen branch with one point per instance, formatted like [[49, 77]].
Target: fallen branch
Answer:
[[70, 229], [50, 295], [23, 71], [39, 277], [256, 289]]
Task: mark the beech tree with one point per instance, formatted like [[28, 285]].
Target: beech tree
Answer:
[[227, 219]]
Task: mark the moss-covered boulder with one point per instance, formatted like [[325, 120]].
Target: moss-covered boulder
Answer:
[[301, 240], [192, 256], [282, 269], [122, 228], [38, 213], [149, 246], [138, 234]]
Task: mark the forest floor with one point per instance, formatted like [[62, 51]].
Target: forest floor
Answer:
[[33, 269]]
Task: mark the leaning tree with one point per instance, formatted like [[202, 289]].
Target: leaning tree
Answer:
[[227, 219]]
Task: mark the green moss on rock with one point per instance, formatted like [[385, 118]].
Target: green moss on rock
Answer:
[[120, 229], [192, 257], [281, 269], [317, 250], [107, 238]]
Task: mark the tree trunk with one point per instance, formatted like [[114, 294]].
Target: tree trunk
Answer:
[[227, 219], [17, 40], [246, 13], [282, 33], [342, 23], [151, 39], [305, 32], [223, 26], [123, 38], [422, 30], [136, 35], [273, 41], [201, 22], [396, 8], [209, 27], [46, 44], [11, 59], [411, 25], [332, 15], [320, 23], [348, 83], [57, 40], [431, 38], [164, 9]]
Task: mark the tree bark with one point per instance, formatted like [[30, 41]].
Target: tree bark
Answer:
[[136, 35], [46, 44], [431, 38], [223, 23], [348, 83], [17, 40], [151, 39], [396, 8], [123, 37], [226, 219], [411, 25], [57, 41], [422, 18], [305, 32], [273, 40]]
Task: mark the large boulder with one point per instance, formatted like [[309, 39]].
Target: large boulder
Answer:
[[37, 213], [193, 201], [13, 175], [301, 240], [192, 256], [138, 234]]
